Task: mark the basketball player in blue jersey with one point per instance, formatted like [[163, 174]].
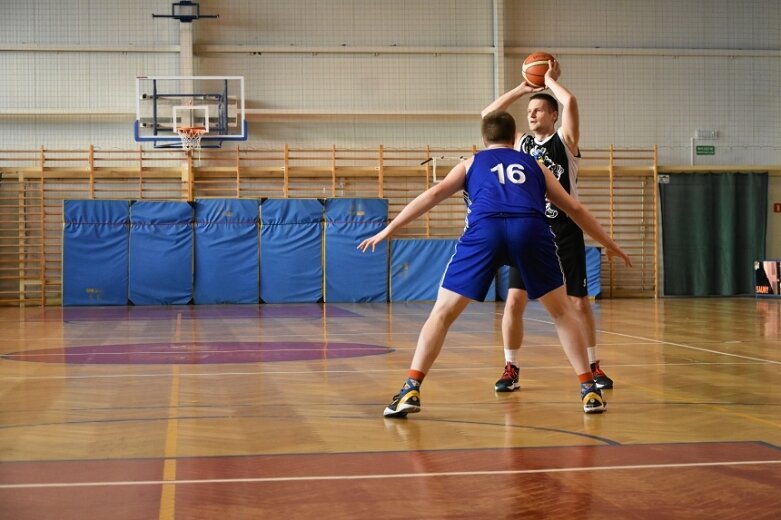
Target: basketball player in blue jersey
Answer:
[[505, 191], [558, 150]]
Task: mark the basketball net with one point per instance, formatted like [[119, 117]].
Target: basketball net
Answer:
[[191, 136]]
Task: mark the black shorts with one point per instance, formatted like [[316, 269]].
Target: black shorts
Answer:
[[572, 256]]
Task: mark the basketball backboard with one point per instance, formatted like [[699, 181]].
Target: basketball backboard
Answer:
[[167, 104]]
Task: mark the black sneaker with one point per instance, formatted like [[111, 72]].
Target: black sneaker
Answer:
[[406, 401], [509, 380], [591, 395], [603, 382]]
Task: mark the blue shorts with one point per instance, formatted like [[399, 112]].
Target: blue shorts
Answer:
[[572, 252], [523, 242]]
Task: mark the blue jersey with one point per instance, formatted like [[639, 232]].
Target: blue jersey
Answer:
[[505, 225], [504, 182]]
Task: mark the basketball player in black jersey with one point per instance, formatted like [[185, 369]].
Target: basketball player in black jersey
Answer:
[[558, 150]]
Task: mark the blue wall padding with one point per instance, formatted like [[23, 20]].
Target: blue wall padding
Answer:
[[490, 296], [291, 250], [594, 270], [417, 266], [350, 275], [161, 253], [226, 251], [95, 252]]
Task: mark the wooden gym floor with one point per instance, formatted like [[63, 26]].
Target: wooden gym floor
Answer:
[[275, 411]]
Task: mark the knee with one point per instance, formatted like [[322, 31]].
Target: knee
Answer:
[[445, 313], [581, 304], [443, 317], [515, 304], [558, 313]]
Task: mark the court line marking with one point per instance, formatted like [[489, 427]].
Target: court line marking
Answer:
[[700, 349], [168, 492], [381, 349], [674, 344], [642, 340], [247, 480], [289, 372], [32, 353]]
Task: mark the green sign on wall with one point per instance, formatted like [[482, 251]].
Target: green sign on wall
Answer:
[[705, 149]]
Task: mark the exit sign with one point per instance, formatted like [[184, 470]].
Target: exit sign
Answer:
[[705, 149]]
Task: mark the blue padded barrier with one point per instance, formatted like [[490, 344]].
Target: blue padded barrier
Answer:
[[291, 251], [161, 253], [490, 296], [95, 252], [226, 251], [350, 275], [594, 270], [417, 266]]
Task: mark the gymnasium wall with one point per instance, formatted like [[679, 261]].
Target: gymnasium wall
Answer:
[[364, 73], [645, 72], [655, 72]]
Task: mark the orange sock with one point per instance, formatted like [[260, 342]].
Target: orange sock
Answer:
[[586, 377], [417, 375]]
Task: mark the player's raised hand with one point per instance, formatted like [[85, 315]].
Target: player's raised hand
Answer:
[[553, 72], [527, 88]]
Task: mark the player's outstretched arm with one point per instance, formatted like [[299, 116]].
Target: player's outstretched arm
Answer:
[[452, 182], [582, 216], [570, 115]]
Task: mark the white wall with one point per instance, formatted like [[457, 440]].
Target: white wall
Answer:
[[350, 22], [645, 72], [652, 72]]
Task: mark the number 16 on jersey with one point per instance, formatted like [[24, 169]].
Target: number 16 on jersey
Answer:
[[514, 173]]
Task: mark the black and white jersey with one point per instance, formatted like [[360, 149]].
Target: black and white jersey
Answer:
[[554, 154]]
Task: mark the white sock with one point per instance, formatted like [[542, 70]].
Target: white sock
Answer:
[[511, 356], [592, 355]]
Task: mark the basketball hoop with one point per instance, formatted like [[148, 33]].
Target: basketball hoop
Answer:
[[191, 136]]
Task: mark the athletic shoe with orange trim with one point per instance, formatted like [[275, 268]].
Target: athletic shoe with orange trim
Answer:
[[509, 380], [591, 395], [603, 382], [406, 401]]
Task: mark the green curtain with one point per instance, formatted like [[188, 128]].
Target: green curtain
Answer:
[[713, 228]]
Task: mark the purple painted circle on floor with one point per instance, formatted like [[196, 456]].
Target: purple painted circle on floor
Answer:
[[197, 353], [192, 312]]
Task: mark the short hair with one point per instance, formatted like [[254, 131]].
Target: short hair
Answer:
[[499, 128], [547, 98]]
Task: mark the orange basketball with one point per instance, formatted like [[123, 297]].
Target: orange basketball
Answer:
[[534, 68]]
